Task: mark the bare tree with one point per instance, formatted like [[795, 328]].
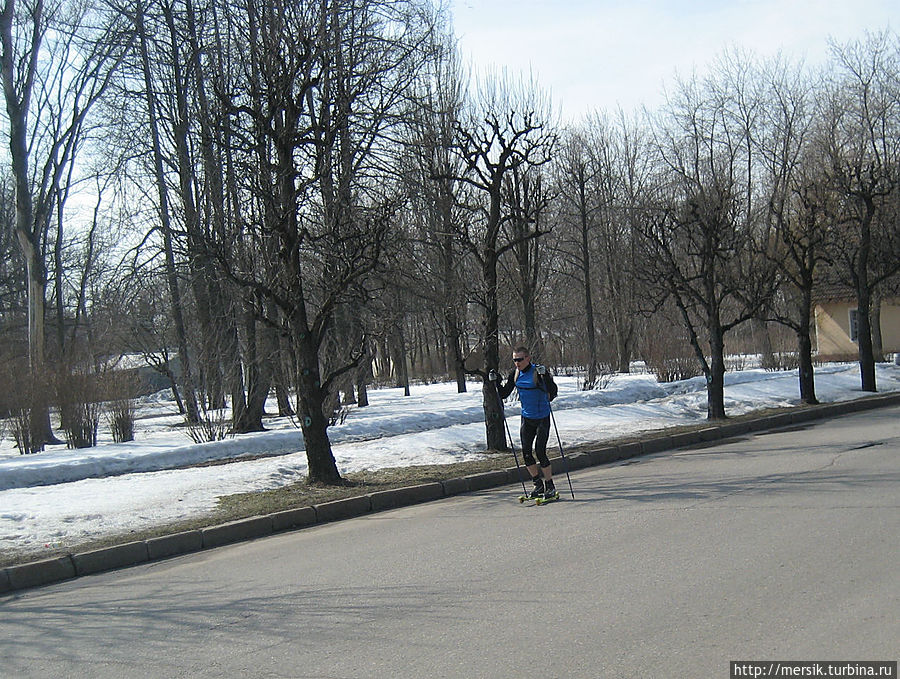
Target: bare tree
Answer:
[[323, 88], [528, 197], [506, 131], [165, 216], [57, 61], [861, 141], [438, 197], [797, 203], [699, 234], [576, 174], [626, 298]]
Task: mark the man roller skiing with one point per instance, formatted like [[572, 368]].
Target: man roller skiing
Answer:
[[536, 389]]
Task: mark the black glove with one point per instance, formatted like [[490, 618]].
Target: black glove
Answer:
[[541, 370], [493, 376]]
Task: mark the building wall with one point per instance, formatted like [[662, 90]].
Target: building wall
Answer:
[[833, 328]]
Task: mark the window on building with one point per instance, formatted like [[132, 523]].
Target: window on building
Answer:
[[854, 325]]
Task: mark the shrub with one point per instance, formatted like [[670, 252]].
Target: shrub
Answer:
[[120, 388], [79, 407], [668, 354], [21, 428], [120, 415], [214, 425]]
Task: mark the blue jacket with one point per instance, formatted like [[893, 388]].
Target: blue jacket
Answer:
[[535, 391]]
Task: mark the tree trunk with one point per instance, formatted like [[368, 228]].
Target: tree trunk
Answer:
[[495, 429], [207, 294], [451, 311], [59, 293], [235, 376], [190, 396], [864, 303], [225, 316], [458, 362], [526, 259], [284, 369], [623, 349], [875, 316], [804, 346], [362, 379], [313, 423], [763, 343], [593, 364], [715, 387], [26, 233], [267, 348], [399, 358], [807, 372], [257, 386]]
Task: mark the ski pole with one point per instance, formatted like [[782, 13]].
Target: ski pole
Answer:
[[508, 432], [562, 452], [541, 371]]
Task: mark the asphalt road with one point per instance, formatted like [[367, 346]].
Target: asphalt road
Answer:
[[777, 546]]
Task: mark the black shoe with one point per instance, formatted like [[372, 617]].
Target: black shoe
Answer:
[[537, 491], [550, 492]]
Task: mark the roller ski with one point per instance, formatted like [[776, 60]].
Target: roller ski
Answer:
[[550, 495]]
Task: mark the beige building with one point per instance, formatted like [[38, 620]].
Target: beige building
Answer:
[[836, 322]]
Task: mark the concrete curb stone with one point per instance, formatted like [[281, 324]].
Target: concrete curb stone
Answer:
[[486, 480], [455, 486], [732, 429], [805, 414], [773, 422], [855, 406], [236, 531], [516, 475], [343, 509], [401, 497], [628, 450], [579, 460], [829, 410], [293, 518], [174, 544], [108, 558], [605, 455], [685, 438], [42, 572], [68, 566], [656, 445], [710, 434]]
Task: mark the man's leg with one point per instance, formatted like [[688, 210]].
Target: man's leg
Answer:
[[542, 434], [527, 432]]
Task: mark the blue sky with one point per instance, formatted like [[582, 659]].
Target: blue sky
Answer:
[[604, 54]]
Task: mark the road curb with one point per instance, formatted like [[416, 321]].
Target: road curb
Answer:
[[402, 497], [43, 572], [174, 544], [343, 509], [68, 566], [237, 531], [456, 486], [109, 558], [289, 519]]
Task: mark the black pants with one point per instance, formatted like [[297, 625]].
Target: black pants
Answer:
[[534, 433]]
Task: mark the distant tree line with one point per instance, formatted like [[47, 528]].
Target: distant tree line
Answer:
[[303, 199]]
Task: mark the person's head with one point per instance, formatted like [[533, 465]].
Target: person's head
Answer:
[[521, 357]]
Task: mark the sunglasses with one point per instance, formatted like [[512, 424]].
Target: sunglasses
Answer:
[[519, 360]]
